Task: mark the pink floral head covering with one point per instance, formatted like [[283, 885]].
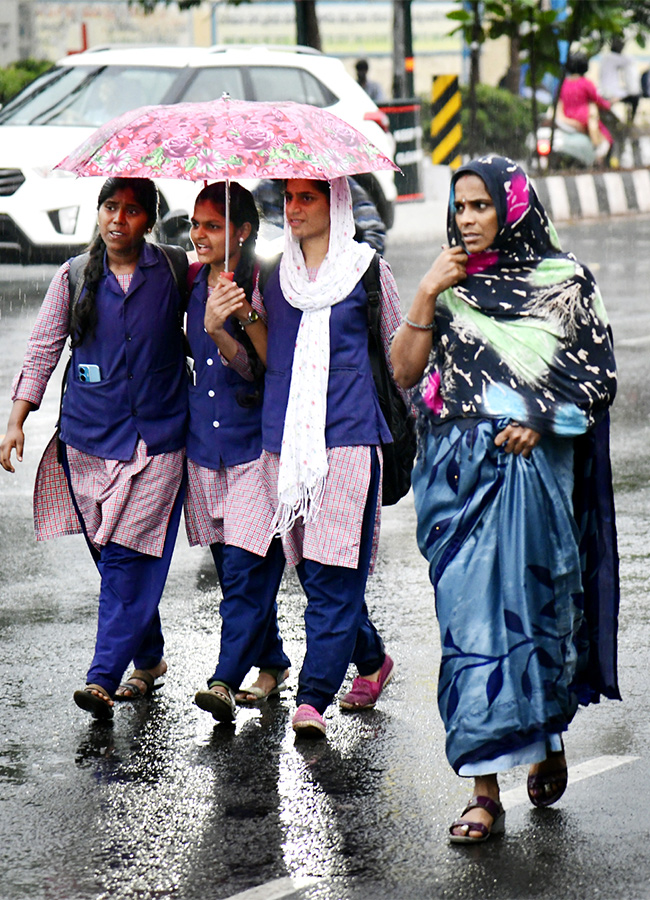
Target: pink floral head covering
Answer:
[[525, 234]]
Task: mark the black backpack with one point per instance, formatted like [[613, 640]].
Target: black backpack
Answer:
[[400, 454]]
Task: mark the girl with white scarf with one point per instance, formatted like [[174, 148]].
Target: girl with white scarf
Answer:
[[318, 482]]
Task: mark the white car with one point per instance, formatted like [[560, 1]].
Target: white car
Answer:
[[49, 215]]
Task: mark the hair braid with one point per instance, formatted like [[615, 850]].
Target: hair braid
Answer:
[[83, 317]]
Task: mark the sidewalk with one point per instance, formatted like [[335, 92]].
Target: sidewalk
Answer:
[[587, 195]]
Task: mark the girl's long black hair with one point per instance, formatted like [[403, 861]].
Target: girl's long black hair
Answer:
[[83, 318]]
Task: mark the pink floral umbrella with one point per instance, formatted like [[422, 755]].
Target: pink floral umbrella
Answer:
[[226, 139]]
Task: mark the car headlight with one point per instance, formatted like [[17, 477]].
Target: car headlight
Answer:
[[64, 220]]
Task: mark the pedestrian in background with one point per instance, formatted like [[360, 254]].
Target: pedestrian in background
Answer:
[[372, 88], [122, 431], [620, 78], [508, 342]]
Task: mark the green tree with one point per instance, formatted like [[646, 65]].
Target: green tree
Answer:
[[537, 31], [19, 74]]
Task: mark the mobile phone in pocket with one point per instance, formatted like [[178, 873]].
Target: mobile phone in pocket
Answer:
[[88, 373]]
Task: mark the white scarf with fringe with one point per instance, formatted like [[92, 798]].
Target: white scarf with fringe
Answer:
[[303, 454]]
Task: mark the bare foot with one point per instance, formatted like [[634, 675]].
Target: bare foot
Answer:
[[98, 691], [262, 687], [554, 762], [142, 687]]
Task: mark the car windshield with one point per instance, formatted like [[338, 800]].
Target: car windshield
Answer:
[[87, 95], [271, 83]]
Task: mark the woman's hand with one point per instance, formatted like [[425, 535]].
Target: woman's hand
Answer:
[[517, 439], [225, 299], [447, 269], [14, 439], [413, 339]]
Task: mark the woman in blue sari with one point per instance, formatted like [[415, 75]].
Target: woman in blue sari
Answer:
[[508, 343]]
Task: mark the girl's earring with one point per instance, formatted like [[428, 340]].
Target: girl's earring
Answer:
[[241, 241]]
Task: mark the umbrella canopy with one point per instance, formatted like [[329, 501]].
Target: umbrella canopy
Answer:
[[226, 139]]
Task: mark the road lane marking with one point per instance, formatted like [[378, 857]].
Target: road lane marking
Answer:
[[517, 796], [278, 889]]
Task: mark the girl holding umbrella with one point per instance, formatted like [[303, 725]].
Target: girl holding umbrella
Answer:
[[225, 431], [318, 481]]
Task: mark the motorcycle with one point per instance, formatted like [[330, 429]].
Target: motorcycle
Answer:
[[570, 149]]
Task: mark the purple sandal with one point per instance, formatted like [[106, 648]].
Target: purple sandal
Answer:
[[546, 789], [492, 807]]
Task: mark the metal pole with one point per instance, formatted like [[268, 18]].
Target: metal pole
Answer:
[[399, 86], [214, 24], [409, 60]]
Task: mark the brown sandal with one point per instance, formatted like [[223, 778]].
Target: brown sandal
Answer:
[[90, 702], [137, 693]]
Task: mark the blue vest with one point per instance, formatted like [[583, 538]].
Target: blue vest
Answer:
[[138, 348], [225, 410], [354, 417]]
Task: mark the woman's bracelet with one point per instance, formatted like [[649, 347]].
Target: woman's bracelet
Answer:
[[415, 325]]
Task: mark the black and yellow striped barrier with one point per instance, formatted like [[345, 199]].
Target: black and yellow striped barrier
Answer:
[[446, 130]]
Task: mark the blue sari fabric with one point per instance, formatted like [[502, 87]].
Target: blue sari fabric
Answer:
[[508, 564]]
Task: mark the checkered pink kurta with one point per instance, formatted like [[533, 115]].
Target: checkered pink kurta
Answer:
[[128, 503], [334, 537]]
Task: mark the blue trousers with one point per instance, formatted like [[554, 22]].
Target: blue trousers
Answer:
[[249, 631], [132, 583], [337, 624]]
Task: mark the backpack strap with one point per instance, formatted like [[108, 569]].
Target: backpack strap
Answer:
[[192, 271], [76, 278], [178, 263], [372, 287]]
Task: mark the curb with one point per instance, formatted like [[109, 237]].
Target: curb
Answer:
[[593, 195]]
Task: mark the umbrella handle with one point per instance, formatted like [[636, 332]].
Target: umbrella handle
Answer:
[[226, 260]]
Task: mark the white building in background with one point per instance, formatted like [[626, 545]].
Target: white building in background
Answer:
[[16, 31], [350, 29]]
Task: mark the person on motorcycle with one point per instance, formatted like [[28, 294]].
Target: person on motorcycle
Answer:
[[580, 103]]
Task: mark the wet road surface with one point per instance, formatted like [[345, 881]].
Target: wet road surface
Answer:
[[163, 803]]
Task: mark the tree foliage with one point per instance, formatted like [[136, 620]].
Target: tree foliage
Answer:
[[539, 34], [540, 31], [18, 75]]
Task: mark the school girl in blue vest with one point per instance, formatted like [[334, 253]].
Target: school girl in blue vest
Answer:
[[122, 432], [225, 433], [317, 483]]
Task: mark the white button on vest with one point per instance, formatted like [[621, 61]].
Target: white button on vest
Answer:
[[209, 361], [215, 424], [210, 393]]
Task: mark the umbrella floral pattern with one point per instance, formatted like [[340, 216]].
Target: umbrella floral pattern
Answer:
[[226, 139]]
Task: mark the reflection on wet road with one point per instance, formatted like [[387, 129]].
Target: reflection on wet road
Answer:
[[163, 803]]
